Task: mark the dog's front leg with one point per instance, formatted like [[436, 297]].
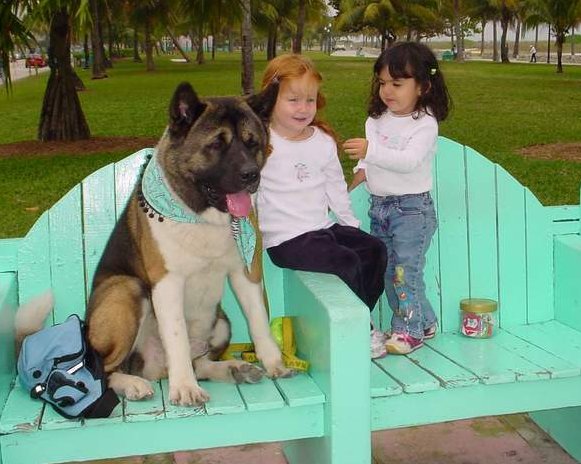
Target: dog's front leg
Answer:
[[168, 305], [250, 297]]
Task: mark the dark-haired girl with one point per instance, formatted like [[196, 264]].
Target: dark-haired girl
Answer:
[[408, 99]]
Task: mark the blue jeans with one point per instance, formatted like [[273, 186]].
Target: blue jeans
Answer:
[[406, 224]]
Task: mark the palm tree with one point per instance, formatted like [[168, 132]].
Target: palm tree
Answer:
[[247, 76], [61, 117], [562, 15], [378, 14], [13, 32], [97, 42]]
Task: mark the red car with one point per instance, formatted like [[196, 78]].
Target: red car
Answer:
[[35, 60]]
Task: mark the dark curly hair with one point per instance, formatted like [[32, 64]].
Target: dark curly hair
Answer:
[[411, 59]]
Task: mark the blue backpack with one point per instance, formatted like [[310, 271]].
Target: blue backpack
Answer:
[[57, 365]]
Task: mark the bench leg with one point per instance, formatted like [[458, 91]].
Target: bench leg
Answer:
[[564, 426], [332, 329]]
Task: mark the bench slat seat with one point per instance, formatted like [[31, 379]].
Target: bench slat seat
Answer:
[[259, 406]]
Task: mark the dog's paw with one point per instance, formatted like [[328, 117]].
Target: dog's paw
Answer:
[[279, 370], [132, 387], [246, 373], [187, 394], [270, 356]]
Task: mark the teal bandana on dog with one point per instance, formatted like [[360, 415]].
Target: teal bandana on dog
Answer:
[[161, 201]]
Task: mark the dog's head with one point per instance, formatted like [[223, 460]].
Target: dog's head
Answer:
[[214, 149]]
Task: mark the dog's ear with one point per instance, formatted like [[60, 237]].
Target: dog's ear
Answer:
[[185, 108], [263, 103]]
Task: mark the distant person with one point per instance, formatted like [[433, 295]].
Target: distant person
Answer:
[[454, 51], [408, 99], [533, 52]]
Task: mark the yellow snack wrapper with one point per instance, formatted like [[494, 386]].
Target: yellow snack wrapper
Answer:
[[283, 334]]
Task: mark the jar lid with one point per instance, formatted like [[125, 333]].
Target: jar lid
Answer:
[[478, 305]]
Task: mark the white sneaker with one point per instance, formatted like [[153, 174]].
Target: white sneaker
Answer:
[[378, 340]]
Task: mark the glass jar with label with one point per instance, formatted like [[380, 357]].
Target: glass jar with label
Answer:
[[478, 317]]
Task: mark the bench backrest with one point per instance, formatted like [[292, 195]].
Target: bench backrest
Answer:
[[493, 241]]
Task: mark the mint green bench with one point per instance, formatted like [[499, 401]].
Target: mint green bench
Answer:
[[495, 240]]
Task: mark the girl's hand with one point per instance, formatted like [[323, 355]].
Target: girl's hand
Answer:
[[356, 148]]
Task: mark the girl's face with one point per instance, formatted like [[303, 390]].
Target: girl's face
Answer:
[[295, 107], [399, 95]]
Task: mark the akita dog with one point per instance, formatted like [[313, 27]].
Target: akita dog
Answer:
[[154, 308]]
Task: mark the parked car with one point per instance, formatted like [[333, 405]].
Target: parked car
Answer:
[[35, 60]]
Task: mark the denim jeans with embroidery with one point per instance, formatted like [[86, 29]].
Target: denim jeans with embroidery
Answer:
[[406, 224]]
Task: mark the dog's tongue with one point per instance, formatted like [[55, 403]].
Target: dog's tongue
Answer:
[[238, 204]]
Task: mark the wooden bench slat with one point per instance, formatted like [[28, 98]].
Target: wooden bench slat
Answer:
[[20, 413], [52, 420], [173, 411], [539, 249], [512, 261], [482, 230], [449, 374], [224, 398], [382, 384], [453, 233], [260, 396], [126, 173], [556, 367], [409, 375], [34, 262], [145, 410], [556, 338], [432, 267], [98, 217], [66, 251], [115, 417], [300, 390], [488, 360]]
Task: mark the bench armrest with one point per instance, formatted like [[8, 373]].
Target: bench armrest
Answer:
[[332, 331], [8, 304], [567, 262]]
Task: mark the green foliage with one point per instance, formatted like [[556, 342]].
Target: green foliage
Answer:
[[498, 109]]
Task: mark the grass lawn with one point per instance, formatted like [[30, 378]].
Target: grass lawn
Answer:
[[497, 110]]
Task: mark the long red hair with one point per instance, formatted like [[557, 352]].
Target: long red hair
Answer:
[[293, 66]]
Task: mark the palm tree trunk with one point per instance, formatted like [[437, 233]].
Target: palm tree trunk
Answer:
[[298, 40], [246, 38], [549, 44], [503, 45], [271, 44], [494, 41], [572, 41], [136, 57], [149, 64], [96, 43], [482, 38], [458, 32], [515, 49], [61, 117], [86, 51], [177, 45], [200, 51], [560, 41]]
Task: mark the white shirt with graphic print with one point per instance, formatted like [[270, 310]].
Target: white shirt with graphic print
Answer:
[[300, 182], [400, 154]]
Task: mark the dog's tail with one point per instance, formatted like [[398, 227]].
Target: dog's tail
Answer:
[[31, 316]]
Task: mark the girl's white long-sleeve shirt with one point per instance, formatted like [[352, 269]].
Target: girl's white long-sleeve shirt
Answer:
[[400, 154], [300, 182]]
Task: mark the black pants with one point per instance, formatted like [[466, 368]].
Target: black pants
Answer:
[[354, 256]]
